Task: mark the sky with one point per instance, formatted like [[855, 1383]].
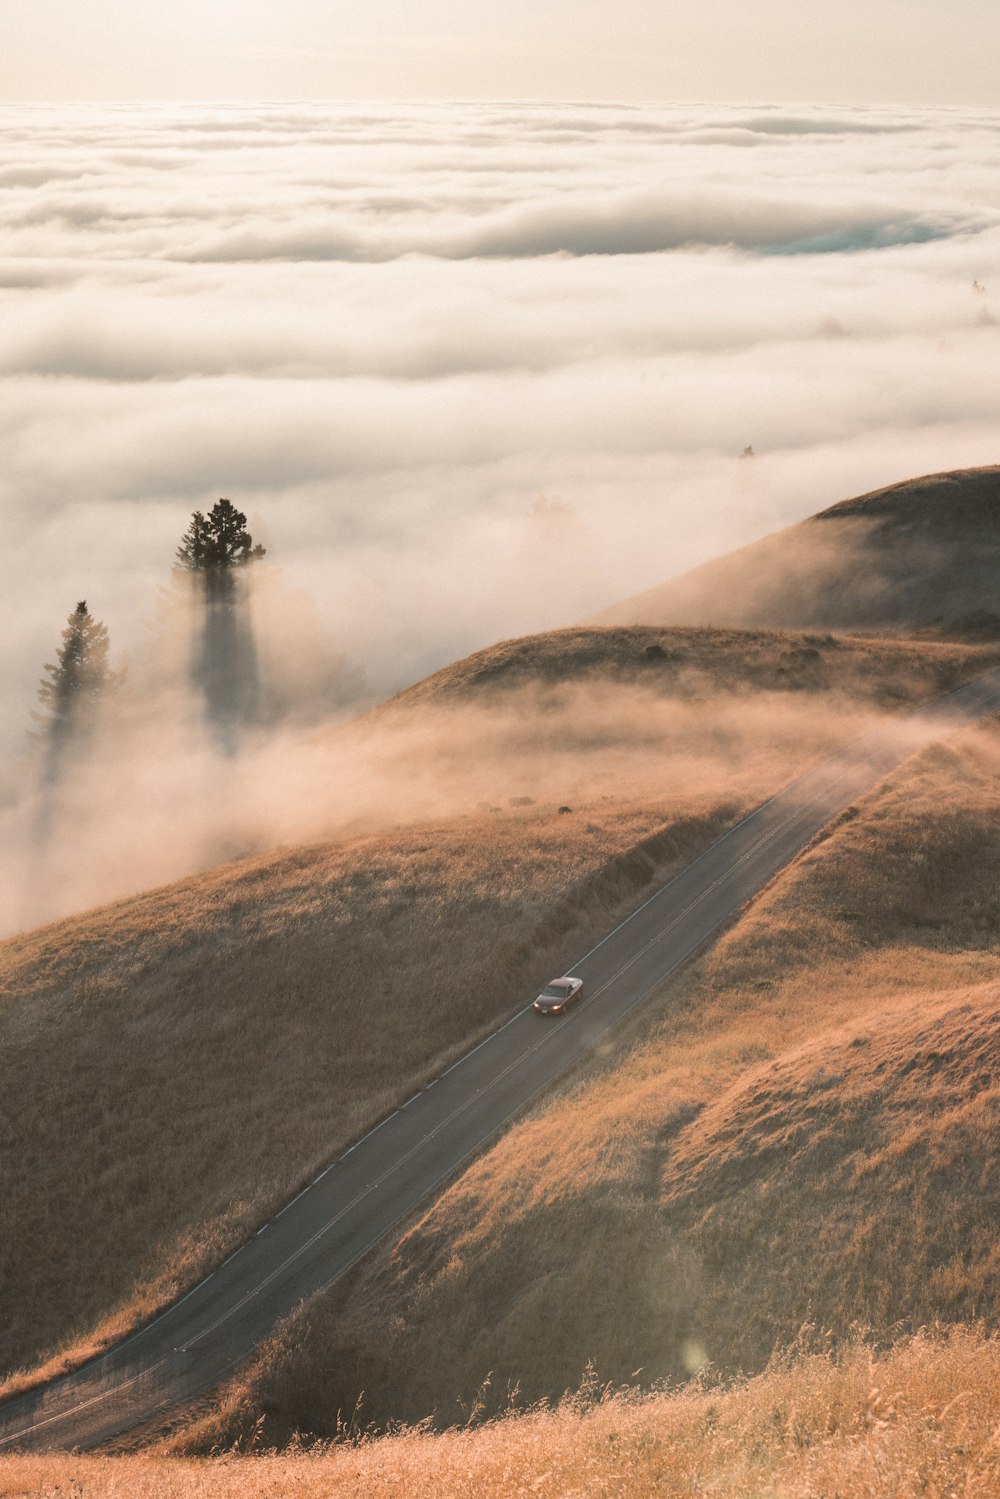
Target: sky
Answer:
[[857, 52]]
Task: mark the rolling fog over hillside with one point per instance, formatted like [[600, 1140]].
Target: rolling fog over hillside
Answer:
[[590, 719], [434, 353], [471, 371]]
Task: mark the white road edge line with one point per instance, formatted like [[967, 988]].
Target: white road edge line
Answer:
[[293, 1201]]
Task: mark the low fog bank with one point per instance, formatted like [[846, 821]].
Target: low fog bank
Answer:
[[136, 773], [447, 451], [156, 794], [494, 373]]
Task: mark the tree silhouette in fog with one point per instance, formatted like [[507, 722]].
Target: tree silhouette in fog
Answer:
[[218, 542], [216, 552], [75, 682]]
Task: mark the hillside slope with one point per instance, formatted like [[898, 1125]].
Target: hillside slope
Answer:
[[689, 664], [924, 553], [333, 977], [201, 1048], [811, 1132], [177, 1065]]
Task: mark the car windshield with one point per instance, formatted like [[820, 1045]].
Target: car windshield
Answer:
[[555, 991]]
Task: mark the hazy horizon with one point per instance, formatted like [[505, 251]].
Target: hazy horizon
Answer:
[[896, 52]]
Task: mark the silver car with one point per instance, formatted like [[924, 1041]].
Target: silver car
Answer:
[[556, 996]]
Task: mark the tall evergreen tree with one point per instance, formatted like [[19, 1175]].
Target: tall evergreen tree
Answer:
[[217, 542], [215, 552], [77, 679]]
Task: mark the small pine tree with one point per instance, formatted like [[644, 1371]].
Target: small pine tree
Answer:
[[77, 679], [193, 549]]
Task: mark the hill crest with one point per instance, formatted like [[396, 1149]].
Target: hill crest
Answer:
[[923, 554]]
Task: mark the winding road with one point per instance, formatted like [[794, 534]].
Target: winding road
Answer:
[[189, 1348]]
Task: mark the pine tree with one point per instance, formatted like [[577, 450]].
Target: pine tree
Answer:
[[215, 552], [77, 679], [218, 541], [193, 549]]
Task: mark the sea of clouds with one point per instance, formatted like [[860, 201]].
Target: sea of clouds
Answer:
[[471, 370]]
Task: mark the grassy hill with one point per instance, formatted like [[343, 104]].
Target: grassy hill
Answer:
[[921, 554], [804, 1128], [338, 976], [688, 664], [178, 1064], [800, 1130]]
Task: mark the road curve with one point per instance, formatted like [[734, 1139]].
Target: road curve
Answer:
[[321, 1233]]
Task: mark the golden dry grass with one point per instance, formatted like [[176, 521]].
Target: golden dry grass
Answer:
[[812, 1128], [338, 976], [551, 720], [690, 663], [283, 1003], [917, 1422]]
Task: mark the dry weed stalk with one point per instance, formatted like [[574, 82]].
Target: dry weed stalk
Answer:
[[917, 1422]]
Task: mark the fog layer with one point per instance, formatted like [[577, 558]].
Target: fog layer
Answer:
[[470, 371], [158, 795]]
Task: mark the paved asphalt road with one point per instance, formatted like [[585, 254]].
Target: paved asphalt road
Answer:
[[383, 1177]]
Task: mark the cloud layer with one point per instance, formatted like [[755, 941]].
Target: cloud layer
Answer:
[[471, 371]]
